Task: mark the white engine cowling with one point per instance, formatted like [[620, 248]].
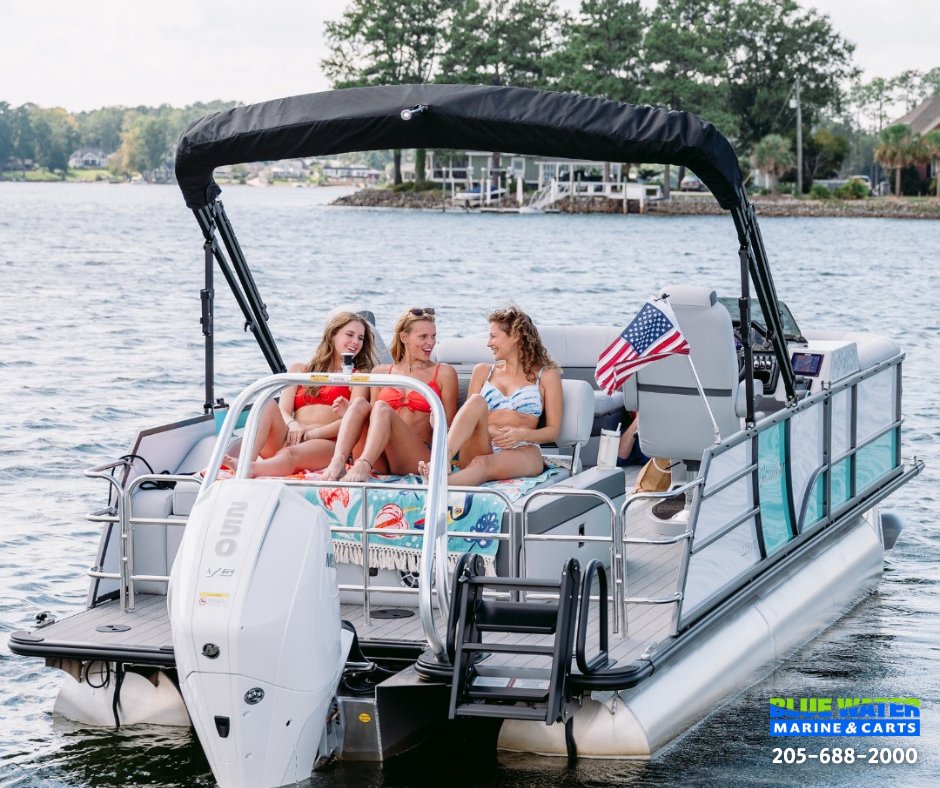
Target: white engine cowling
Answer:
[[254, 613]]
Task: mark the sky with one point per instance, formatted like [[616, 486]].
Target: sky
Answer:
[[86, 54]]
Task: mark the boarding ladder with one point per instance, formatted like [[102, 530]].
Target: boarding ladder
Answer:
[[486, 682], [548, 195]]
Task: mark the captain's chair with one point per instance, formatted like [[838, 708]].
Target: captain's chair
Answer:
[[673, 421]]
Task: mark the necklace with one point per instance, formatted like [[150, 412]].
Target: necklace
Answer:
[[421, 365]]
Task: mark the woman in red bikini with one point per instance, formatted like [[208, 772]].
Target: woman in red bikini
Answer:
[[300, 431], [392, 433]]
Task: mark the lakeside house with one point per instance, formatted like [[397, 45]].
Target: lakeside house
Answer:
[[924, 118], [341, 171], [468, 168], [92, 158]]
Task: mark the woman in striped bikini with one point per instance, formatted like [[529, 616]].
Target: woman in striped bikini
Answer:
[[496, 433], [299, 432]]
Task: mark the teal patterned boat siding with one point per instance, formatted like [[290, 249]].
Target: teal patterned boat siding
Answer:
[[774, 487]]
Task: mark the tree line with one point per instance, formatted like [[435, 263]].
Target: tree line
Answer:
[[734, 62], [138, 139]]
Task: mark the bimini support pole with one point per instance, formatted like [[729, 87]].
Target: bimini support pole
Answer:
[[211, 218], [744, 311], [207, 296], [752, 244]]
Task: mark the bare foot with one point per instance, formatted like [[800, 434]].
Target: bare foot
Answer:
[[424, 470], [361, 471], [230, 460], [335, 471]]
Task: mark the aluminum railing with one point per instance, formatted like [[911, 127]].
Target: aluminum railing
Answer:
[[684, 536], [112, 514], [614, 539], [855, 502], [435, 540]]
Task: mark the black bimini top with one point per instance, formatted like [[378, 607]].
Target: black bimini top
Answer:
[[461, 117]]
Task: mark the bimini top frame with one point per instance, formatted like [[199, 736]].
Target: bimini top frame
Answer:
[[516, 120]]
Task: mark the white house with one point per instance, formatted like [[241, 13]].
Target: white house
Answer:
[[88, 159]]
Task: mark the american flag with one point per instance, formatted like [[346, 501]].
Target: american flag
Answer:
[[652, 335]]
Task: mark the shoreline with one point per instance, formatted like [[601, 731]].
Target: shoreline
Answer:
[[681, 204]]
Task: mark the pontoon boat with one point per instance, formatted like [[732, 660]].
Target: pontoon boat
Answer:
[[295, 621]]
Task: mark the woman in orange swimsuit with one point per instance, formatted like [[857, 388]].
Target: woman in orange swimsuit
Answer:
[[300, 431], [496, 432], [392, 433]]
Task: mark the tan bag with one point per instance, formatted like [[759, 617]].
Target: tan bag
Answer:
[[655, 476]]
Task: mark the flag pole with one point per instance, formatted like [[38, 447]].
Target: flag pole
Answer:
[[698, 382], [708, 407]]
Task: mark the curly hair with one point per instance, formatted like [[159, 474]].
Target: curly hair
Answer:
[[322, 360], [403, 326], [532, 353]]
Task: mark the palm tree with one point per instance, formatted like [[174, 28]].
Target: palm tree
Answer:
[[773, 154], [931, 143], [898, 149]]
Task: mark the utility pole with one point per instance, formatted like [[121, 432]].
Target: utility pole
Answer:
[[799, 140]]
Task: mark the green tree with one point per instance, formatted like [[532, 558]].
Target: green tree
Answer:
[[908, 88], [686, 57], [898, 149], [875, 97], [774, 155], [931, 143], [930, 84], [602, 53], [823, 154], [22, 135], [145, 140], [771, 43], [101, 128], [386, 42], [6, 135], [56, 136], [602, 56], [502, 42]]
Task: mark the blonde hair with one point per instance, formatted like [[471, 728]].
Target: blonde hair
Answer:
[[322, 359], [403, 326], [533, 355]]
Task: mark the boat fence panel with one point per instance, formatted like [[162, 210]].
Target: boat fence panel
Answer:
[[774, 487], [877, 437], [807, 483], [840, 476], [725, 545], [722, 467], [804, 469]]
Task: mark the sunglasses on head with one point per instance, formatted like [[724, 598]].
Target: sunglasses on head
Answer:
[[421, 312]]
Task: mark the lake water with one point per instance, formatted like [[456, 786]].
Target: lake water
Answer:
[[100, 336]]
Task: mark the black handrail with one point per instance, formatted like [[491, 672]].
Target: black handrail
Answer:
[[468, 565], [601, 660]]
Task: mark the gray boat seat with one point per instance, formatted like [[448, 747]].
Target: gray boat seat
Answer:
[[673, 420], [574, 348], [577, 418]]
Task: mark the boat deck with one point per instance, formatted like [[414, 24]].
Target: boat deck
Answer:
[[104, 632], [652, 571], [143, 635]]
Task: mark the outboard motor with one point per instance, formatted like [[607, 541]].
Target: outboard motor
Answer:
[[254, 613]]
